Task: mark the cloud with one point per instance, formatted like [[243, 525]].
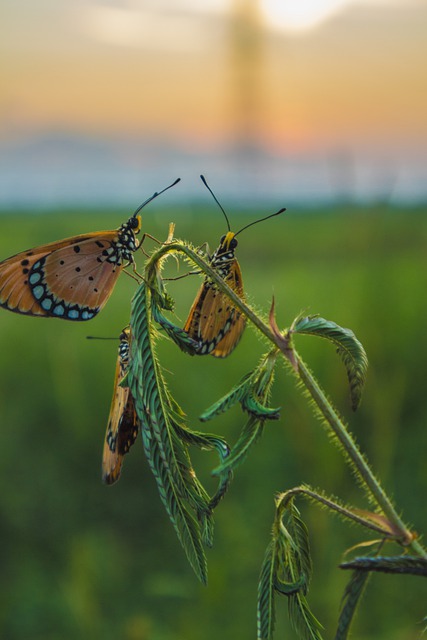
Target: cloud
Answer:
[[145, 28]]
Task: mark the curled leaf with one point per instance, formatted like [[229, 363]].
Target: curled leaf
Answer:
[[178, 335], [349, 348], [252, 393]]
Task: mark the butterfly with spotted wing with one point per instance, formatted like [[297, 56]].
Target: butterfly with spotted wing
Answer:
[[71, 279], [123, 423], [213, 322]]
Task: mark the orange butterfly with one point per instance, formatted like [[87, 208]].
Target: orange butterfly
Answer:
[[123, 424], [71, 279], [213, 322]]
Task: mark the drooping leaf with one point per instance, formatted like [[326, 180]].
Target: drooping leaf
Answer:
[[185, 525], [251, 405], [209, 442], [302, 619], [412, 565], [349, 348], [252, 393], [251, 433], [178, 335], [229, 400], [352, 595], [266, 615], [299, 533], [166, 456]]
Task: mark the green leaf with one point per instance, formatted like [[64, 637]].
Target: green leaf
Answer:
[[351, 599], [266, 617], [290, 588], [209, 442], [251, 404], [166, 455], [229, 400], [249, 436], [348, 347], [178, 335], [184, 523], [412, 565], [252, 392], [302, 620], [293, 570], [299, 533]]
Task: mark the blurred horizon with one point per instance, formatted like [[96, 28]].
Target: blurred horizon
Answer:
[[106, 101]]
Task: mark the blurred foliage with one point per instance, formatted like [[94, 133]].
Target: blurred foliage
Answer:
[[83, 560]]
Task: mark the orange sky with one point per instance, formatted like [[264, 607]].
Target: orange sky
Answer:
[[138, 67]]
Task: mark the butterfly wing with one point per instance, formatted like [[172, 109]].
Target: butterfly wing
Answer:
[[213, 321], [71, 279], [123, 424]]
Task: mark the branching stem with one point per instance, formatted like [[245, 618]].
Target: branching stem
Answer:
[[338, 428]]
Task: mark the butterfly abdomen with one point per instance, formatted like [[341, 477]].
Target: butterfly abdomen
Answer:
[[123, 424]]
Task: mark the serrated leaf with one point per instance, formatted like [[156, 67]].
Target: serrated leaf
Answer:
[[299, 533], [349, 348], [178, 335], [294, 571], [412, 565], [166, 455], [302, 619], [251, 405], [266, 617], [185, 525], [351, 599], [209, 442], [249, 436], [290, 588], [227, 401]]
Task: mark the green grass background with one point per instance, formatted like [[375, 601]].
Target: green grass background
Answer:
[[80, 560]]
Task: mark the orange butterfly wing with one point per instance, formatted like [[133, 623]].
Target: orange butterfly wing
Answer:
[[70, 279], [213, 321], [123, 424]]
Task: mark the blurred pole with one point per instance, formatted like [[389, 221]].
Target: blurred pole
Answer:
[[246, 88]]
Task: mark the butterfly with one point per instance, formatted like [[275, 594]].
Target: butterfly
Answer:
[[123, 423], [71, 279], [213, 322]]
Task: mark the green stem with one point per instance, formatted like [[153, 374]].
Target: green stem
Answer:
[[283, 500], [353, 455]]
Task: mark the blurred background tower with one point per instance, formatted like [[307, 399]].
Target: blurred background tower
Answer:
[[246, 89]]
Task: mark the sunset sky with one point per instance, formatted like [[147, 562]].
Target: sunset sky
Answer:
[[329, 81]]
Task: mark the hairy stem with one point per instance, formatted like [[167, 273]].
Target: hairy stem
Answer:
[[322, 404]]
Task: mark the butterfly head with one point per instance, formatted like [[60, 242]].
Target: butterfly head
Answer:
[[135, 223], [227, 244]]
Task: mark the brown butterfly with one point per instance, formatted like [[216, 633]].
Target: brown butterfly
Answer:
[[71, 279], [123, 423], [213, 322]]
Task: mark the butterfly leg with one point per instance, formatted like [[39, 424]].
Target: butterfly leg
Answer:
[[190, 273], [138, 277]]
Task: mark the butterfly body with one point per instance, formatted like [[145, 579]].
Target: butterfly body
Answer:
[[71, 279], [123, 424], [213, 322]]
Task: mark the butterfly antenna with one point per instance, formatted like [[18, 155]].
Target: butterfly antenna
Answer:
[[100, 338], [203, 179], [260, 220], [157, 193]]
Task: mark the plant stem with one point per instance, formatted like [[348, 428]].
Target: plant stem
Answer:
[[353, 455]]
